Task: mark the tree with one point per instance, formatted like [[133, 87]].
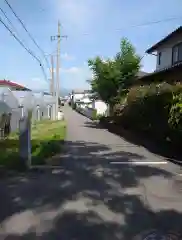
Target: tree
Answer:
[[128, 63], [111, 77], [104, 76]]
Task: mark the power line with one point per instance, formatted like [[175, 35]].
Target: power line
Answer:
[[9, 21], [143, 24], [12, 25], [29, 34], [153, 22], [15, 30], [23, 45]]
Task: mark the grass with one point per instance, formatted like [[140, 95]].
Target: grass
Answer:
[[46, 140]]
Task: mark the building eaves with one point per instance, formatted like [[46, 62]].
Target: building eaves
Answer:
[[164, 70], [158, 44]]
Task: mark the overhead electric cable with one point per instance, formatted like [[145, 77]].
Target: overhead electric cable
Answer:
[[29, 34], [27, 49]]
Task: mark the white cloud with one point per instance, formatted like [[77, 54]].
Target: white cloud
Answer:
[[67, 70], [76, 77], [78, 15], [70, 70], [75, 12], [67, 57]]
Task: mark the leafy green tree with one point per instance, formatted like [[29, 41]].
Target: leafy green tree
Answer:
[[127, 62], [104, 76], [112, 76]]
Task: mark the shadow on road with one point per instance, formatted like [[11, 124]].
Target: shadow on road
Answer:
[[88, 198], [158, 147]]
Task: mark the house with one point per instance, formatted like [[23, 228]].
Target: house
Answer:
[[12, 85], [168, 52], [79, 94]]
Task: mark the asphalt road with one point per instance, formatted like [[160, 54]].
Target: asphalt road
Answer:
[[104, 188]]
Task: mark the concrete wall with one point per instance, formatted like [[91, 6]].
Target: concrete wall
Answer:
[[100, 106], [77, 96], [89, 111]]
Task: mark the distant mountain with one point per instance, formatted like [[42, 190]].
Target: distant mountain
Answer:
[[63, 92]]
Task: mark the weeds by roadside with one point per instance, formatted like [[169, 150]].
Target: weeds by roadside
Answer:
[[46, 140]]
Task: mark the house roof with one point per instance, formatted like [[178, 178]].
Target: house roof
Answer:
[[81, 91], [158, 44], [12, 84], [164, 70]]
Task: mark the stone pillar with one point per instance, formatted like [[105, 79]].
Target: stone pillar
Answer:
[[25, 141]]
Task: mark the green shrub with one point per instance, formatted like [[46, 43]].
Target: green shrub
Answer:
[[148, 109], [175, 116], [94, 114], [175, 119]]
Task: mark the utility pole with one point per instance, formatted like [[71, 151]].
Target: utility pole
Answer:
[[57, 85], [58, 67], [52, 87]]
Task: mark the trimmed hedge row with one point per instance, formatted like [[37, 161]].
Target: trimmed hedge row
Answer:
[[155, 109]]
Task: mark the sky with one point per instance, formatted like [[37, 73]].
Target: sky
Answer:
[[93, 27]]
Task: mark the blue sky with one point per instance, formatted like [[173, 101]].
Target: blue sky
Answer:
[[94, 27]]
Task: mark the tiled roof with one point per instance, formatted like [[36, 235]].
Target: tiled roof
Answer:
[[12, 84], [155, 46]]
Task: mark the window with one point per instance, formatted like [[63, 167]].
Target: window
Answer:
[[159, 58], [177, 53]]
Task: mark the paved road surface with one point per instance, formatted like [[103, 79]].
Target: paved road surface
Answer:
[[90, 198]]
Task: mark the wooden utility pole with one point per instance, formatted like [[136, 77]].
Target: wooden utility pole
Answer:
[[52, 87]]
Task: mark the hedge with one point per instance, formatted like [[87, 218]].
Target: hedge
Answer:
[[153, 109]]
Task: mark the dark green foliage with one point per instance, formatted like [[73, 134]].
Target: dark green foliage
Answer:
[[149, 109], [175, 119]]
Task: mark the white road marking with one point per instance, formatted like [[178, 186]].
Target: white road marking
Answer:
[[140, 163], [179, 174]]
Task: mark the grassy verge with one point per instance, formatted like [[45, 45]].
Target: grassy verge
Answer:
[[46, 140]]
